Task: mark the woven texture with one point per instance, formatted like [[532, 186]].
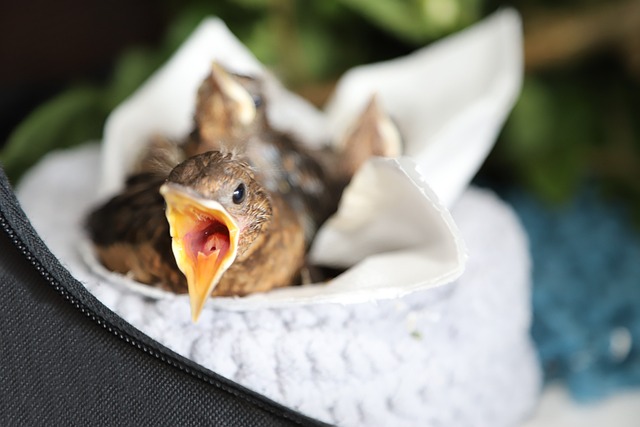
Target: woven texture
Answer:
[[458, 355], [586, 294]]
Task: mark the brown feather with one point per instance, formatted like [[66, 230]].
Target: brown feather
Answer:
[[131, 234]]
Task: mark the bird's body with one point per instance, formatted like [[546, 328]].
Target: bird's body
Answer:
[[134, 235], [285, 167], [275, 260], [131, 236]]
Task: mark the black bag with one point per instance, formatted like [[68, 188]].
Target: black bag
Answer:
[[66, 359]]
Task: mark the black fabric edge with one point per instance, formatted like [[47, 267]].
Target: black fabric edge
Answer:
[[16, 218]]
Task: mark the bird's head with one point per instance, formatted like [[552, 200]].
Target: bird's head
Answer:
[[373, 133], [374, 129], [216, 210], [229, 106]]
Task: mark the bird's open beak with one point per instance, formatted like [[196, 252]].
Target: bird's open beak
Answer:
[[236, 99], [204, 241]]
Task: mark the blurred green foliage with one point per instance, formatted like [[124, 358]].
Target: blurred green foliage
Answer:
[[302, 42], [571, 126], [571, 123], [548, 134], [66, 120]]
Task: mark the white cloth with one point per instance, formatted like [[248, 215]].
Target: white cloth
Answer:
[[392, 228], [456, 355]]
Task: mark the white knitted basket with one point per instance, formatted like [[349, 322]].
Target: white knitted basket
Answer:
[[456, 355]]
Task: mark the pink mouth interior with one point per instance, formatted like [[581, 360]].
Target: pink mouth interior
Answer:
[[209, 236]]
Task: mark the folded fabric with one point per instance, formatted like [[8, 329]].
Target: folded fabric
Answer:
[[448, 117]]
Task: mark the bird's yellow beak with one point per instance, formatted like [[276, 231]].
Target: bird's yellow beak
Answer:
[[237, 101], [204, 241]]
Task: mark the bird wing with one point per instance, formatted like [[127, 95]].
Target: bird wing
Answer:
[[130, 232]]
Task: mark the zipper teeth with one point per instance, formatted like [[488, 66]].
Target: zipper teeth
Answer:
[[74, 301], [18, 243]]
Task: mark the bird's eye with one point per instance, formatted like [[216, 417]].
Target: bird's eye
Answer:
[[257, 100], [239, 194]]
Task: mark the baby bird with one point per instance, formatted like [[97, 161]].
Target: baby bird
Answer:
[[234, 223], [222, 232], [373, 133], [229, 108]]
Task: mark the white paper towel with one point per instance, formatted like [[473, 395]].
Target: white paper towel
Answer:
[[391, 229]]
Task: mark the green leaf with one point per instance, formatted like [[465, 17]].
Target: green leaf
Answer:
[[556, 176], [184, 23], [531, 126], [418, 21], [254, 4], [547, 138], [262, 42], [132, 69], [68, 119]]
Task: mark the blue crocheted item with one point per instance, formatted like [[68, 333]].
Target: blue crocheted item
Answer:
[[586, 295]]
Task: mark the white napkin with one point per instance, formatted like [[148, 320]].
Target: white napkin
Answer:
[[449, 101]]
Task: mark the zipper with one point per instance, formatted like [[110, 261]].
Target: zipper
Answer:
[[24, 250], [74, 301]]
